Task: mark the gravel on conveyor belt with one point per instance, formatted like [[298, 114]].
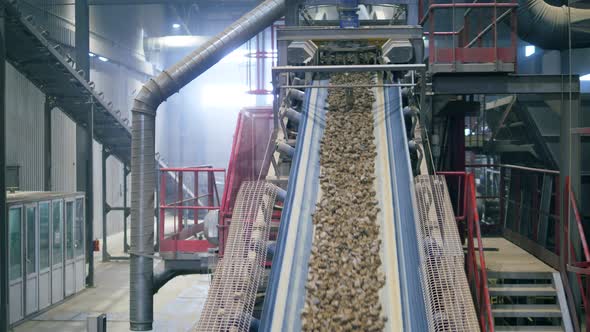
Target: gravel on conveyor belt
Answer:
[[345, 275]]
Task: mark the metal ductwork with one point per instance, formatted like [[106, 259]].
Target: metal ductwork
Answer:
[[546, 25], [143, 168]]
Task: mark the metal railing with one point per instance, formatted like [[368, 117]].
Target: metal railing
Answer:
[[529, 207], [580, 267], [531, 200], [476, 266], [479, 39], [181, 212], [249, 160]]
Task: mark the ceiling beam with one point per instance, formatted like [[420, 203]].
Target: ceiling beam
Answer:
[[152, 2], [467, 84]]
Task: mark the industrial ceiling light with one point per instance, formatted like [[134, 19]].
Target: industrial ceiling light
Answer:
[[92, 55], [175, 26], [176, 41], [103, 59], [529, 50]]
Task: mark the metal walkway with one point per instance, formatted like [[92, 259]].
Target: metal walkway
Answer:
[[44, 63], [528, 294]]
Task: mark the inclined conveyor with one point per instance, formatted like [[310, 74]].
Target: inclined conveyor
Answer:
[[401, 297]]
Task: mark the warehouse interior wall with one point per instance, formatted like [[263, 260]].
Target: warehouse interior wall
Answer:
[[117, 33]]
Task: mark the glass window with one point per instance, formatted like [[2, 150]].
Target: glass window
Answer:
[[15, 244], [31, 252], [43, 235], [79, 227], [57, 236], [69, 230]]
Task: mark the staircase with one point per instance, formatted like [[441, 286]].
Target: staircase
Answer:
[[525, 297]]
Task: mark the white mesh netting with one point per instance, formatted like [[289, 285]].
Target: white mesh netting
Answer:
[[449, 305], [232, 293]]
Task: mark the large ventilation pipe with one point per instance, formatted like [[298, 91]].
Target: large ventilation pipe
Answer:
[[143, 174], [546, 26]]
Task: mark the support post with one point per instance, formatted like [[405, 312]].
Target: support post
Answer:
[[83, 63], [292, 15], [3, 225], [570, 166], [90, 196], [126, 172], [47, 151], [502, 199], [105, 253], [157, 208], [82, 37]]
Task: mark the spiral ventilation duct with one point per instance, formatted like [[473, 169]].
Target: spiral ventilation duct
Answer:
[[545, 25], [143, 168]]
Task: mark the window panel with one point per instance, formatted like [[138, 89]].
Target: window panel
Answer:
[[31, 252], [79, 227], [70, 230], [43, 235], [15, 244], [57, 236]]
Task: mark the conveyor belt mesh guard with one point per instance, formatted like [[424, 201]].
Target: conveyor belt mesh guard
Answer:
[[232, 294], [449, 305]]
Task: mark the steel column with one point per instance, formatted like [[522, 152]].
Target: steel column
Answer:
[[292, 15], [126, 211], [545, 209], [47, 150], [90, 195], [105, 156], [158, 195], [570, 166], [3, 214], [82, 37], [106, 208]]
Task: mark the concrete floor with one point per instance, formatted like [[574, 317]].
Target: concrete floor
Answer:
[[177, 306]]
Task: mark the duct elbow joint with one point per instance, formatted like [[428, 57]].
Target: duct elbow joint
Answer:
[[150, 97]]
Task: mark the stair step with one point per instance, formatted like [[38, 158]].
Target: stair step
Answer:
[[523, 290], [526, 310], [520, 275], [528, 328], [279, 180], [516, 124]]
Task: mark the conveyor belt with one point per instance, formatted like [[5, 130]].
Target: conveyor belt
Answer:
[[402, 297]]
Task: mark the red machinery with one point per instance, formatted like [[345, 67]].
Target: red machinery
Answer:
[[196, 192], [249, 160], [181, 211]]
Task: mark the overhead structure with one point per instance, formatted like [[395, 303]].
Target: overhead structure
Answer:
[[143, 177], [56, 74], [422, 251]]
